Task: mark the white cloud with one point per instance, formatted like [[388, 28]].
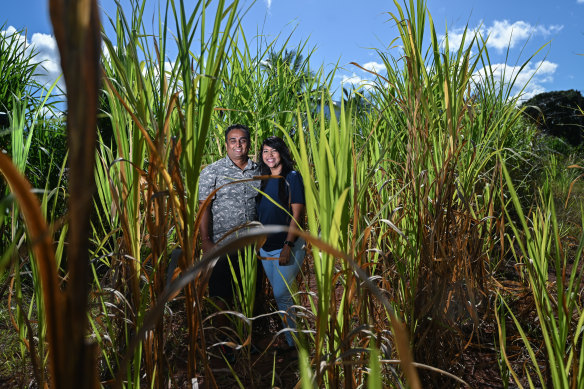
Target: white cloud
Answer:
[[374, 67], [502, 34], [356, 81], [47, 55], [580, 1], [531, 78]]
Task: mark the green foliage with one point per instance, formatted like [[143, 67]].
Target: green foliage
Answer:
[[27, 138], [558, 113], [541, 252], [266, 96], [38, 147], [329, 148], [17, 68]]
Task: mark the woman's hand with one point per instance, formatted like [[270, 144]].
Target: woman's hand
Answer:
[[285, 255]]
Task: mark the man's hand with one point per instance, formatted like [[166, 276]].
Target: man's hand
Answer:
[[207, 245], [204, 230], [285, 255]]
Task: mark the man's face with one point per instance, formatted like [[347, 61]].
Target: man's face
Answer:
[[237, 145]]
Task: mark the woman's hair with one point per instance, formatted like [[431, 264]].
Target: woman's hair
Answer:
[[286, 161]]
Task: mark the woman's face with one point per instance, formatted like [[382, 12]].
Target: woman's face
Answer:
[[271, 158]]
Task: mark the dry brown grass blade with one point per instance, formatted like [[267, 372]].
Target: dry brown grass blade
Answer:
[[372, 72], [11, 312], [77, 30], [572, 184], [43, 252]]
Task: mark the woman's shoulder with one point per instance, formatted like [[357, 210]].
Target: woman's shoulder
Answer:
[[294, 178], [293, 175]]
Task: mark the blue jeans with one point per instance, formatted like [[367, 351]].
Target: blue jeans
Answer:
[[282, 280]]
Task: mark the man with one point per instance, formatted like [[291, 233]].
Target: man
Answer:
[[232, 206]]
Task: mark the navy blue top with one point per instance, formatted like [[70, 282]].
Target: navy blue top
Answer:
[[270, 214]]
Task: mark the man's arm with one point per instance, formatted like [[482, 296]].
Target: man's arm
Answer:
[[204, 230]]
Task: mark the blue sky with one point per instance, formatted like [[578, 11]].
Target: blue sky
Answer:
[[349, 31]]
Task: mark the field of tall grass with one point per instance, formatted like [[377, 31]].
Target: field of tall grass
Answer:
[[443, 241]]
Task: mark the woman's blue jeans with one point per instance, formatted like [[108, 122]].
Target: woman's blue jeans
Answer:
[[282, 280]]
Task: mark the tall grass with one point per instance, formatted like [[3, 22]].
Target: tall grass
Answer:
[[327, 213], [331, 149], [29, 307], [439, 129], [161, 112], [539, 246], [18, 69]]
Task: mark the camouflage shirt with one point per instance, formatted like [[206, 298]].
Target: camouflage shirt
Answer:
[[234, 204]]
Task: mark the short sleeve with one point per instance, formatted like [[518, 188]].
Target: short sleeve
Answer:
[[294, 179]]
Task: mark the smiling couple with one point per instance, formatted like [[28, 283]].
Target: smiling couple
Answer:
[[235, 205]]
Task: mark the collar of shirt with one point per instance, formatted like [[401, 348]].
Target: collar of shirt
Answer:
[[251, 165]]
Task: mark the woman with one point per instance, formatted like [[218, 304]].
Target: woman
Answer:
[[284, 251]]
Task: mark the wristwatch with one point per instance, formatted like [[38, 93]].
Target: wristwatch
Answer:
[[289, 243]]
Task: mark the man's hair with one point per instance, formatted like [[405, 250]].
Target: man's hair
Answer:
[[237, 126]]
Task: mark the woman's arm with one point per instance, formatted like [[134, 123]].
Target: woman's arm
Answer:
[[297, 218]]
